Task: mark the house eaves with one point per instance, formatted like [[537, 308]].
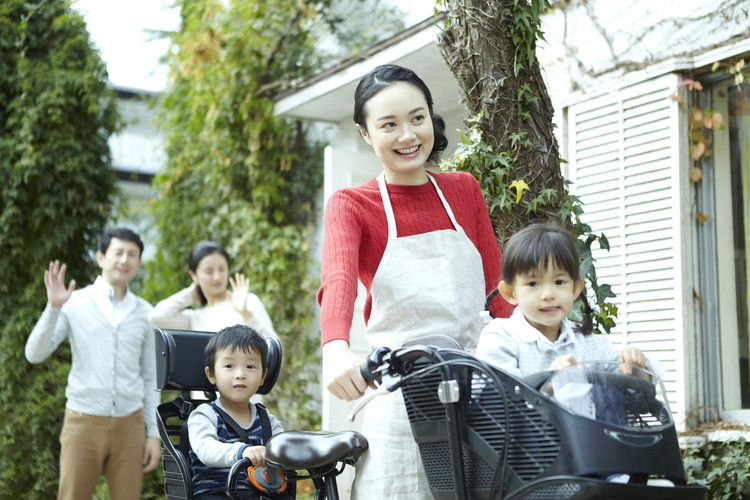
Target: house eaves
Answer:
[[698, 62], [329, 96]]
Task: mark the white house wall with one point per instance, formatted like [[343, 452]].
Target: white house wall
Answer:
[[596, 41], [139, 147]]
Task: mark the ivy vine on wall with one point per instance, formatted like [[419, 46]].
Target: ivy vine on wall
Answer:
[[504, 192], [704, 120]]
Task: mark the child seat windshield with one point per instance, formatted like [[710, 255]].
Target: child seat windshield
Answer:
[[601, 392]]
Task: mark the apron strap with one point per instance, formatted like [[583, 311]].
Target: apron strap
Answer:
[[387, 206], [447, 207], [391, 218]]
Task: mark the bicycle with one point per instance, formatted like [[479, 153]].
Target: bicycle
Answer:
[[485, 435], [482, 433]]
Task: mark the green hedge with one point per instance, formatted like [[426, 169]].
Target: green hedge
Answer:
[[722, 466], [56, 195]]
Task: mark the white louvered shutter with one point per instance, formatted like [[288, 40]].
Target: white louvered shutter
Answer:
[[623, 149]]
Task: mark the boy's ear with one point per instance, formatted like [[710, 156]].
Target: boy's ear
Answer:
[[263, 378], [507, 292], [209, 375], [99, 257], [364, 134], [578, 287]]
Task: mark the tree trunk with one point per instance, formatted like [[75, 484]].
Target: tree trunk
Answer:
[[478, 48]]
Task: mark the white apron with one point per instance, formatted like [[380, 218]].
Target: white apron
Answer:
[[430, 283]]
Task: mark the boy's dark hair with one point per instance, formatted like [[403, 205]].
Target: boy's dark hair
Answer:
[[120, 233], [236, 337], [539, 246]]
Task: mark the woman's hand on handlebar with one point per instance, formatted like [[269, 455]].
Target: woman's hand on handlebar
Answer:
[[341, 374]]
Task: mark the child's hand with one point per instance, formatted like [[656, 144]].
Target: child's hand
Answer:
[[630, 357], [561, 362], [256, 454]]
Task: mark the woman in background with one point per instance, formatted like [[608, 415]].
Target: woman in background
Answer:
[[208, 267]]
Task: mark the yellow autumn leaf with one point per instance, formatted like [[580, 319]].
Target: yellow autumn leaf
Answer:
[[698, 298], [702, 218], [718, 119], [695, 175], [698, 85], [697, 150], [520, 186], [697, 115]]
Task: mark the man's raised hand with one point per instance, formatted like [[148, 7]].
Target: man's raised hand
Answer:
[[54, 280]]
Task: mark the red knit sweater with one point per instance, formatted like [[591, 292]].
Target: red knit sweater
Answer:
[[356, 232]]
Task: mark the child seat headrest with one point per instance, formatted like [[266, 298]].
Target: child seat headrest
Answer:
[[180, 361]]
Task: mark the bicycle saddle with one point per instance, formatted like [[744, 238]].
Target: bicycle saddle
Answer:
[[313, 449]]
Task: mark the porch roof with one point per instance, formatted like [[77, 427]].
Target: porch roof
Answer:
[[328, 96]]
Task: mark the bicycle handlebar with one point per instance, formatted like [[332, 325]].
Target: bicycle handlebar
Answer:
[[392, 364]]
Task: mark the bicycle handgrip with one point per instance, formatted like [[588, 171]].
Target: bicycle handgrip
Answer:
[[370, 368], [367, 369]]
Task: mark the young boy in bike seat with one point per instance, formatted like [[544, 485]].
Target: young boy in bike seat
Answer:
[[231, 428]]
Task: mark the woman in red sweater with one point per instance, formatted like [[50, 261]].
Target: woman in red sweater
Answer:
[[422, 245]]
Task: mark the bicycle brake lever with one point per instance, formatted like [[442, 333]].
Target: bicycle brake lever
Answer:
[[380, 391]]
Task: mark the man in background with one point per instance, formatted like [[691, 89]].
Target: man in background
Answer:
[[110, 412]]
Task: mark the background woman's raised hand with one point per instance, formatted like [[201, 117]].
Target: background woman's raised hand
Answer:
[[238, 296], [54, 279]]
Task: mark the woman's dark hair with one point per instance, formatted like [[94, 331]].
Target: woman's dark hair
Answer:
[[541, 245], [234, 338], [385, 76], [198, 252]]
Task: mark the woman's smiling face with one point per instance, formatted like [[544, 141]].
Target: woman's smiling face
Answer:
[[399, 129], [212, 275]]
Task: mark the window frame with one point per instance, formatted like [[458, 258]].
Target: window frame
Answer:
[[716, 286]]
